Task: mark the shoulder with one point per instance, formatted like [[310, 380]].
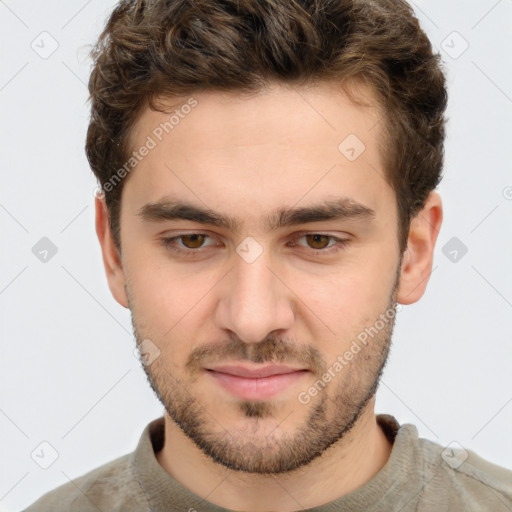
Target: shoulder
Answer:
[[111, 486], [464, 478]]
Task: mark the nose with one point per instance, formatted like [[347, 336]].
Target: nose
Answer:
[[255, 300]]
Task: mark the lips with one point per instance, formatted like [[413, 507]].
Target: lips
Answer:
[[255, 373], [256, 383]]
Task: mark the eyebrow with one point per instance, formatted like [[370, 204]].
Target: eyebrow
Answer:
[[168, 209]]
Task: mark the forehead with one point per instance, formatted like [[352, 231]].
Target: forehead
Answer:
[[242, 154], [281, 113]]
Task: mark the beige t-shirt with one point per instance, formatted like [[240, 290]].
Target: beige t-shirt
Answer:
[[420, 475]]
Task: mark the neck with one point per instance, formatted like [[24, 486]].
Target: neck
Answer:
[[344, 467]]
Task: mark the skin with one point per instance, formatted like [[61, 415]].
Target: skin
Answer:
[[245, 157]]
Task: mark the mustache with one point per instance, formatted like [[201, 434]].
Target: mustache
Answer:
[[270, 350]]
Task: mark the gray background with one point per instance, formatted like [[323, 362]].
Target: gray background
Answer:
[[68, 374]]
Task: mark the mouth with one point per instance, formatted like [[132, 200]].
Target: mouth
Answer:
[[256, 383]]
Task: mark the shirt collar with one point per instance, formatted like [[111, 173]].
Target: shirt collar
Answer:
[[399, 477]]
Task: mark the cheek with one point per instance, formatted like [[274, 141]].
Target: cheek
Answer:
[[358, 285], [170, 307], [165, 305], [346, 302]]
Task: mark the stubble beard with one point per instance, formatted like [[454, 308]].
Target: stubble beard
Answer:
[[330, 417]]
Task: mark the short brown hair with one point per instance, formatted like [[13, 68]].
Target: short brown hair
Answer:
[[159, 48]]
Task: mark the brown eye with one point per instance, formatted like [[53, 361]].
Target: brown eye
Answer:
[[318, 241], [193, 241], [188, 244]]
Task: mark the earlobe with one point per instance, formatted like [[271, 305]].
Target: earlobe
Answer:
[[419, 254], [111, 258]]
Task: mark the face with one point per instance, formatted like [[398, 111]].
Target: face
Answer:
[[313, 290]]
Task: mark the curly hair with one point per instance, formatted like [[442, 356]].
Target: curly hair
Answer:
[[162, 48]]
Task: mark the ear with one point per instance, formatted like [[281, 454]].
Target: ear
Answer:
[[111, 258], [419, 254]]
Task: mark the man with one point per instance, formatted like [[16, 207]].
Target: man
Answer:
[[268, 174]]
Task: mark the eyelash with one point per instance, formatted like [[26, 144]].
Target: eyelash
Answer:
[[170, 244]]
